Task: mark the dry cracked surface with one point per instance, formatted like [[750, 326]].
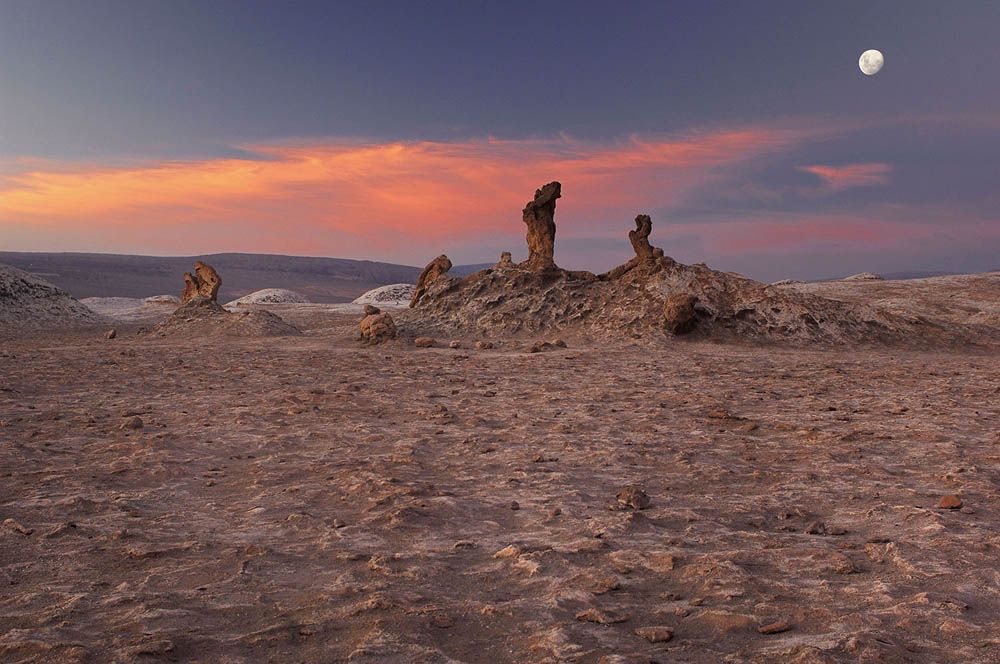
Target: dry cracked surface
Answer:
[[302, 499]]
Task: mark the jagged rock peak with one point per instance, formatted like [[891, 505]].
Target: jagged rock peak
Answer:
[[539, 216]]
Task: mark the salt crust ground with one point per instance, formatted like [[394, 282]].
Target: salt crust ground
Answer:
[[305, 499]]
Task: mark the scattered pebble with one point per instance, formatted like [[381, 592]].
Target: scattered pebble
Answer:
[[775, 627]]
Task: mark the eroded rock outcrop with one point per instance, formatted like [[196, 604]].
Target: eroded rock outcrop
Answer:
[[640, 238], [649, 297], [434, 270], [205, 282], [377, 326], [539, 216]]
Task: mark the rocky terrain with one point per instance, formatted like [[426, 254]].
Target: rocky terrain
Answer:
[[653, 297], [662, 463], [28, 302], [308, 499]]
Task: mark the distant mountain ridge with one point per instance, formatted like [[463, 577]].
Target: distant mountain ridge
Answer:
[[118, 275]]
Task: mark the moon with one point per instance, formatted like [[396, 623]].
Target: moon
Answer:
[[871, 62]]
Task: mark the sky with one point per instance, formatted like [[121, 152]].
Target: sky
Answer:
[[397, 131]]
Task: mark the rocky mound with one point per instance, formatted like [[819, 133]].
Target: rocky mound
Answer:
[[391, 295], [203, 317], [651, 297], [863, 276], [270, 296], [27, 302], [162, 299]]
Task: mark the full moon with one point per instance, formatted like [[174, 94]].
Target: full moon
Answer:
[[871, 62]]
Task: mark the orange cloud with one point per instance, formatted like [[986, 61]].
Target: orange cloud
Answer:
[[349, 198], [839, 178]]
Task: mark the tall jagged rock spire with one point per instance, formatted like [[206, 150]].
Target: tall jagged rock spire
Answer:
[[538, 215]]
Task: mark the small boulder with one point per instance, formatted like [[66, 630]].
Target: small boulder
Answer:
[[133, 423], [655, 634], [455, 344], [378, 327], [423, 342], [484, 345], [111, 334], [951, 502], [633, 497], [371, 310]]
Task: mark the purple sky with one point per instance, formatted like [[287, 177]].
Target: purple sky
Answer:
[[398, 131]]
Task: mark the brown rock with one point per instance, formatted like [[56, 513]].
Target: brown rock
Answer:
[[454, 344], [539, 216], [678, 313], [17, 527], [633, 497], [505, 260], [133, 423], [423, 342], [640, 238], [376, 328], [434, 270], [484, 345], [371, 310], [655, 634], [951, 502], [111, 334], [204, 282], [775, 627], [601, 617]]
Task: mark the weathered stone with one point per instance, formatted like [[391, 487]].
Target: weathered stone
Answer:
[[679, 314], [655, 634], [111, 334], [505, 260], [423, 342], [633, 497], [376, 328], [951, 502], [775, 628], [434, 270], [640, 238], [204, 282], [539, 216], [371, 310]]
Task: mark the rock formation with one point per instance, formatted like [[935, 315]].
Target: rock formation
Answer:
[[204, 282], [649, 297], [376, 326], [434, 270], [679, 314], [539, 216], [640, 238], [505, 260]]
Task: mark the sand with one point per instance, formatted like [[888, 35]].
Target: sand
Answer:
[[305, 499]]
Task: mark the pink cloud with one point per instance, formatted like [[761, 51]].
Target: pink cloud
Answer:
[[838, 178], [350, 198]]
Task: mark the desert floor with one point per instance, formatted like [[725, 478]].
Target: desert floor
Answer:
[[308, 500]]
